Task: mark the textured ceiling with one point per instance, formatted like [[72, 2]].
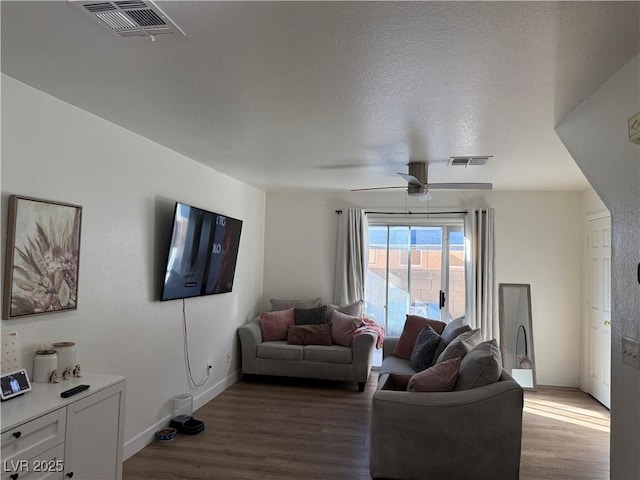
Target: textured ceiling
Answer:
[[338, 95]]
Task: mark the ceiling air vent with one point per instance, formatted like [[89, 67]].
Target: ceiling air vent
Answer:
[[129, 18], [468, 161]]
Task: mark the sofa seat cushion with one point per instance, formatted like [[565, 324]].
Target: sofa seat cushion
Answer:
[[280, 350], [328, 354], [393, 364]]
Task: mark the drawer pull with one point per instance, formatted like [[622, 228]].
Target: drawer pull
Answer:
[[14, 476], [17, 434]]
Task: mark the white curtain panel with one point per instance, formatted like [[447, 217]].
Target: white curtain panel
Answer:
[[352, 256], [482, 298]]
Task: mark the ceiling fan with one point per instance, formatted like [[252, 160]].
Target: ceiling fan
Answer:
[[418, 185]]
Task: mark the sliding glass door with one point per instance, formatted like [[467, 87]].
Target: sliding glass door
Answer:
[[417, 270]]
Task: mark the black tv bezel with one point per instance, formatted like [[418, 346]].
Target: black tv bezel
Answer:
[[168, 252]]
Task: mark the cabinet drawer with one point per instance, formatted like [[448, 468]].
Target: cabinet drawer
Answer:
[[48, 466], [35, 437]]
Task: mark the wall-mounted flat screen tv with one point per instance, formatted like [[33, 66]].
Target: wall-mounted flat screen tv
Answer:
[[202, 255]]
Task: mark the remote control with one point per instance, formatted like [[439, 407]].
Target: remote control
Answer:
[[74, 390]]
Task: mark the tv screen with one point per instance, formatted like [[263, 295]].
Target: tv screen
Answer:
[[202, 254]]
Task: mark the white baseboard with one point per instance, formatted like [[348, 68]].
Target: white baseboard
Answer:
[[553, 381], [147, 436]]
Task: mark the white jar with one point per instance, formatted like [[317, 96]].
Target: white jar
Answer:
[[45, 362], [66, 356]]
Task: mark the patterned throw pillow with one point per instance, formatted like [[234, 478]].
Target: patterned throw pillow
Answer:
[[424, 350], [276, 324], [439, 378]]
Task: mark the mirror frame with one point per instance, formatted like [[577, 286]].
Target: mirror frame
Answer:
[[527, 288]]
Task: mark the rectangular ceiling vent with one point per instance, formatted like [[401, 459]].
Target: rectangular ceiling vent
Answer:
[[468, 161], [129, 18]]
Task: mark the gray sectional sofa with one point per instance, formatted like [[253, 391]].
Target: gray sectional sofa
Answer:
[[474, 433]]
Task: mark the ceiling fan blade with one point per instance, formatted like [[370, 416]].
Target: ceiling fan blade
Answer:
[[375, 188], [460, 186], [411, 179]]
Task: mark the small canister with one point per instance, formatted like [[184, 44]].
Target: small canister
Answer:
[[66, 356], [182, 407], [45, 362]]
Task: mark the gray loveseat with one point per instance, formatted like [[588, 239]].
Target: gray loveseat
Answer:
[[326, 362], [467, 434]]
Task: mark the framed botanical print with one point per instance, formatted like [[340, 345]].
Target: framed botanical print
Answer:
[[42, 257]]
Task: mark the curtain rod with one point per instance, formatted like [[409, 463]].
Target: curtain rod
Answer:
[[411, 213]]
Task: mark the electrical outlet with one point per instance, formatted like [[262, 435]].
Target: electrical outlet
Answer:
[[634, 129], [631, 352]]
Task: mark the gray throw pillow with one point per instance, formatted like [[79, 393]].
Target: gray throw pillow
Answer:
[[354, 309], [310, 316], [481, 366], [424, 349], [453, 329], [461, 345], [277, 304]]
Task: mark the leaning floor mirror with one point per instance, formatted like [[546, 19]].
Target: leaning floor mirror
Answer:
[[516, 333]]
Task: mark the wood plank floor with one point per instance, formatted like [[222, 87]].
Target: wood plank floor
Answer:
[[275, 428]]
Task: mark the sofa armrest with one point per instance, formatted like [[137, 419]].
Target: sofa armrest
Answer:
[[250, 335], [363, 347], [389, 345], [415, 432]]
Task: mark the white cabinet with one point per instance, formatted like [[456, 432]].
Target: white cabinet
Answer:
[[45, 436]]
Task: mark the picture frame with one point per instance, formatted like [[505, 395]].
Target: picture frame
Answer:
[[42, 257]]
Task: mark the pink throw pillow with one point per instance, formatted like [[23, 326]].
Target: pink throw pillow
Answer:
[[276, 324], [412, 328], [342, 328], [439, 378]]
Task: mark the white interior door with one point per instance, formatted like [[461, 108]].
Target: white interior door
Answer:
[[599, 305]]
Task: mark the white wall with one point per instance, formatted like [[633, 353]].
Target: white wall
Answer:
[[127, 186], [596, 136], [592, 204], [538, 238]]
